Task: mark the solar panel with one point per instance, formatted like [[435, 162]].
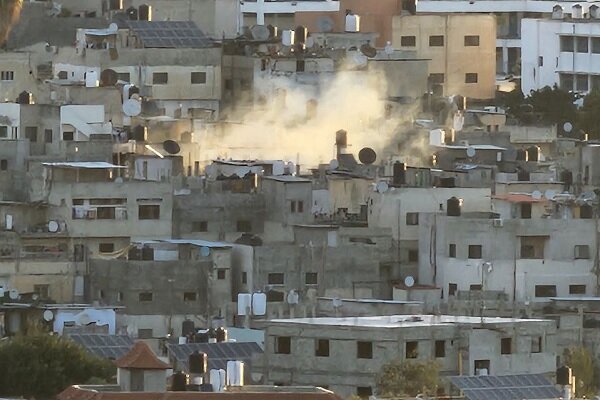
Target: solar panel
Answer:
[[105, 346], [169, 34], [508, 387], [218, 353]]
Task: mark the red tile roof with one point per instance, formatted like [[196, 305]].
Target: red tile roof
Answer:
[[141, 357]]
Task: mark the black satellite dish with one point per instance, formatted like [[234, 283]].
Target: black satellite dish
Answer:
[[367, 155], [108, 77], [171, 146], [368, 50]]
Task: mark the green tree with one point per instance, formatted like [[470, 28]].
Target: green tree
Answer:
[[408, 378], [589, 116], [42, 365], [582, 363], [557, 105]]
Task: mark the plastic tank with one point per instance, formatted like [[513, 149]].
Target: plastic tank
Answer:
[[300, 33], [145, 12], [453, 207], [187, 327], [563, 376], [115, 4], [533, 153], [221, 334], [399, 173], [179, 381], [139, 133], [288, 38], [25, 97], [198, 363], [352, 23], [341, 138]]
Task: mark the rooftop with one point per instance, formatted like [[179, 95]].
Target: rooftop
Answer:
[[83, 164], [169, 34], [141, 357], [287, 179]]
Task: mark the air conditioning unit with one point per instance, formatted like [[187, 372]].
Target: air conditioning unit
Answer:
[[481, 372], [498, 222]]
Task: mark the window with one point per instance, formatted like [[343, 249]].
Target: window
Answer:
[[475, 251], [300, 206], [567, 44], [292, 206], [525, 210], [582, 252], [244, 226], [452, 289], [120, 296], [198, 77], [412, 218], [311, 278], [78, 252], [105, 213], [3, 131], [228, 84], [482, 365], [43, 291], [408, 41], [68, 136], [596, 45], [581, 83], [48, 135], [581, 44], [506, 346], [364, 391], [440, 348], [124, 76], [577, 289], [540, 61], [145, 296], [364, 349], [545, 290], [275, 296], [244, 277], [31, 133], [412, 349], [221, 274], [436, 78], [148, 211], [300, 65], [536, 344], [470, 77], [200, 226], [296, 206], [413, 255], [472, 40], [532, 247], [160, 78], [7, 75], [436, 41], [106, 247], [190, 296], [322, 348], [567, 81], [452, 250], [475, 288], [145, 333], [283, 345], [3, 165], [275, 278]]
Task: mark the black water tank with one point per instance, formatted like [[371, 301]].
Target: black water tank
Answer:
[[533, 153], [179, 381], [133, 90], [461, 102], [145, 12], [221, 334], [567, 177], [115, 4], [563, 376], [453, 207], [212, 333], [341, 138], [25, 98], [187, 327], [523, 176], [522, 155], [139, 133], [198, 363], [132, 13], [300, 34], [399, 174], [586, 212]]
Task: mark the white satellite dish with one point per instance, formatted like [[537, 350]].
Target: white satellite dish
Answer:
[[113, 27], [132, 108], [48, 315], [536, 195], [382, 187], [471, 151], [549, 194], [337, 303], [204, 251], [409, 281], [567, 127], [334, 164], [388, 49], [52, 226], [13, 294], [310, 42]]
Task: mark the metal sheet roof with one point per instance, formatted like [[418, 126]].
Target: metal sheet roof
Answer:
[[510, 387], [169, 34], [105, 346], [218, 353], [83, 164]]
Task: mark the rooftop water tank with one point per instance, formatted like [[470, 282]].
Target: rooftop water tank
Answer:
[[352, 23]]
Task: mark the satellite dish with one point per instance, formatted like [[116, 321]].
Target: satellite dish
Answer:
[[567, 127], [409, 281], [260, 32], [13, 294], [48, 315], [136, 97], [53, 226], [549, 194], [113, 27], [367, 155], [337, 303], [333, 164], [108, 77], [471, 151], [171, 146], [132, 108], [382, 187], [325, 23], [292, 297], [204, 251], [388, 49], [368, 50], [536, 195]]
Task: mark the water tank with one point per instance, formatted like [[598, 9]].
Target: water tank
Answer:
[[179, 381], [522, 155], [557, 12], [201, 337], [398, 174], [115, 4], [235, 373], [341, 138], [139, 133], [586, 212], [533, 153], [594, 11], [352, 23], [145, 12], [198, 363], [288, 38], [566, 177], [300, 34], [577, 11], [25, 97], [273, 31], [133, 90], [523, 176], [461, 102], [453, 207], [221, 334], [91, 79], [187, 327], [563, 376]]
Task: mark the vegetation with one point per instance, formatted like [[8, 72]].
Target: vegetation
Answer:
[[582, 364], [589, 115], [554, 105], [42, 366], [408, 378]]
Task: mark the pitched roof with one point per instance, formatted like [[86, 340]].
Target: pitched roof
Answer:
[[141, 357]]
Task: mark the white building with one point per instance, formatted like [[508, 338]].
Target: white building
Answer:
[[261, 12], [565, 52]]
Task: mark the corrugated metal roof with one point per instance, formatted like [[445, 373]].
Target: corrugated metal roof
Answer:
[[509, 387]]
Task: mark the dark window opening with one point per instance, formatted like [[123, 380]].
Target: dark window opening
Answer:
[[536, 344], [577, 289], [311, 278], [106, 247], [475, 251], [440, 348], [48, 135], [276, 278], [452, 250], [471, 77], [244, 277], [408, 41], [145, 333], [43, 291], [472, 40], [452, 289], [149, 211], [145, 296], [160, 78], [482, 365], [436, 78], [200, 226], [275, 296], [436, 41], [189, 296], [68, 136], [582, 252], [244, 226], [413, 255], [364, 392], [475, 288], [283, 345], [412, 349], [412, 218], [545, 290], [221, 274], [506, 346], [322, 348], [198, 78], [3, 164], [526, 210], [299, 65], [364, 349], [31, 133]]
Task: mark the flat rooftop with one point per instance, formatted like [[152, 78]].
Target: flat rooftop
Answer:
[[401, 321]]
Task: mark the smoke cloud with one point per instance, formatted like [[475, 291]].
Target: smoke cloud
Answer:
[[9, 14]]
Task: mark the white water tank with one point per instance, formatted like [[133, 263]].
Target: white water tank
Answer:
[[244, 303], [91, 79], [288, 38], [577, 11], [259, 304], [235, 373], [557, 12], [352, 23]]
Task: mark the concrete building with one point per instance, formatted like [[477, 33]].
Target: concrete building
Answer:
[[569, 56], [452, 42], [281, 13], [345, 354]]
